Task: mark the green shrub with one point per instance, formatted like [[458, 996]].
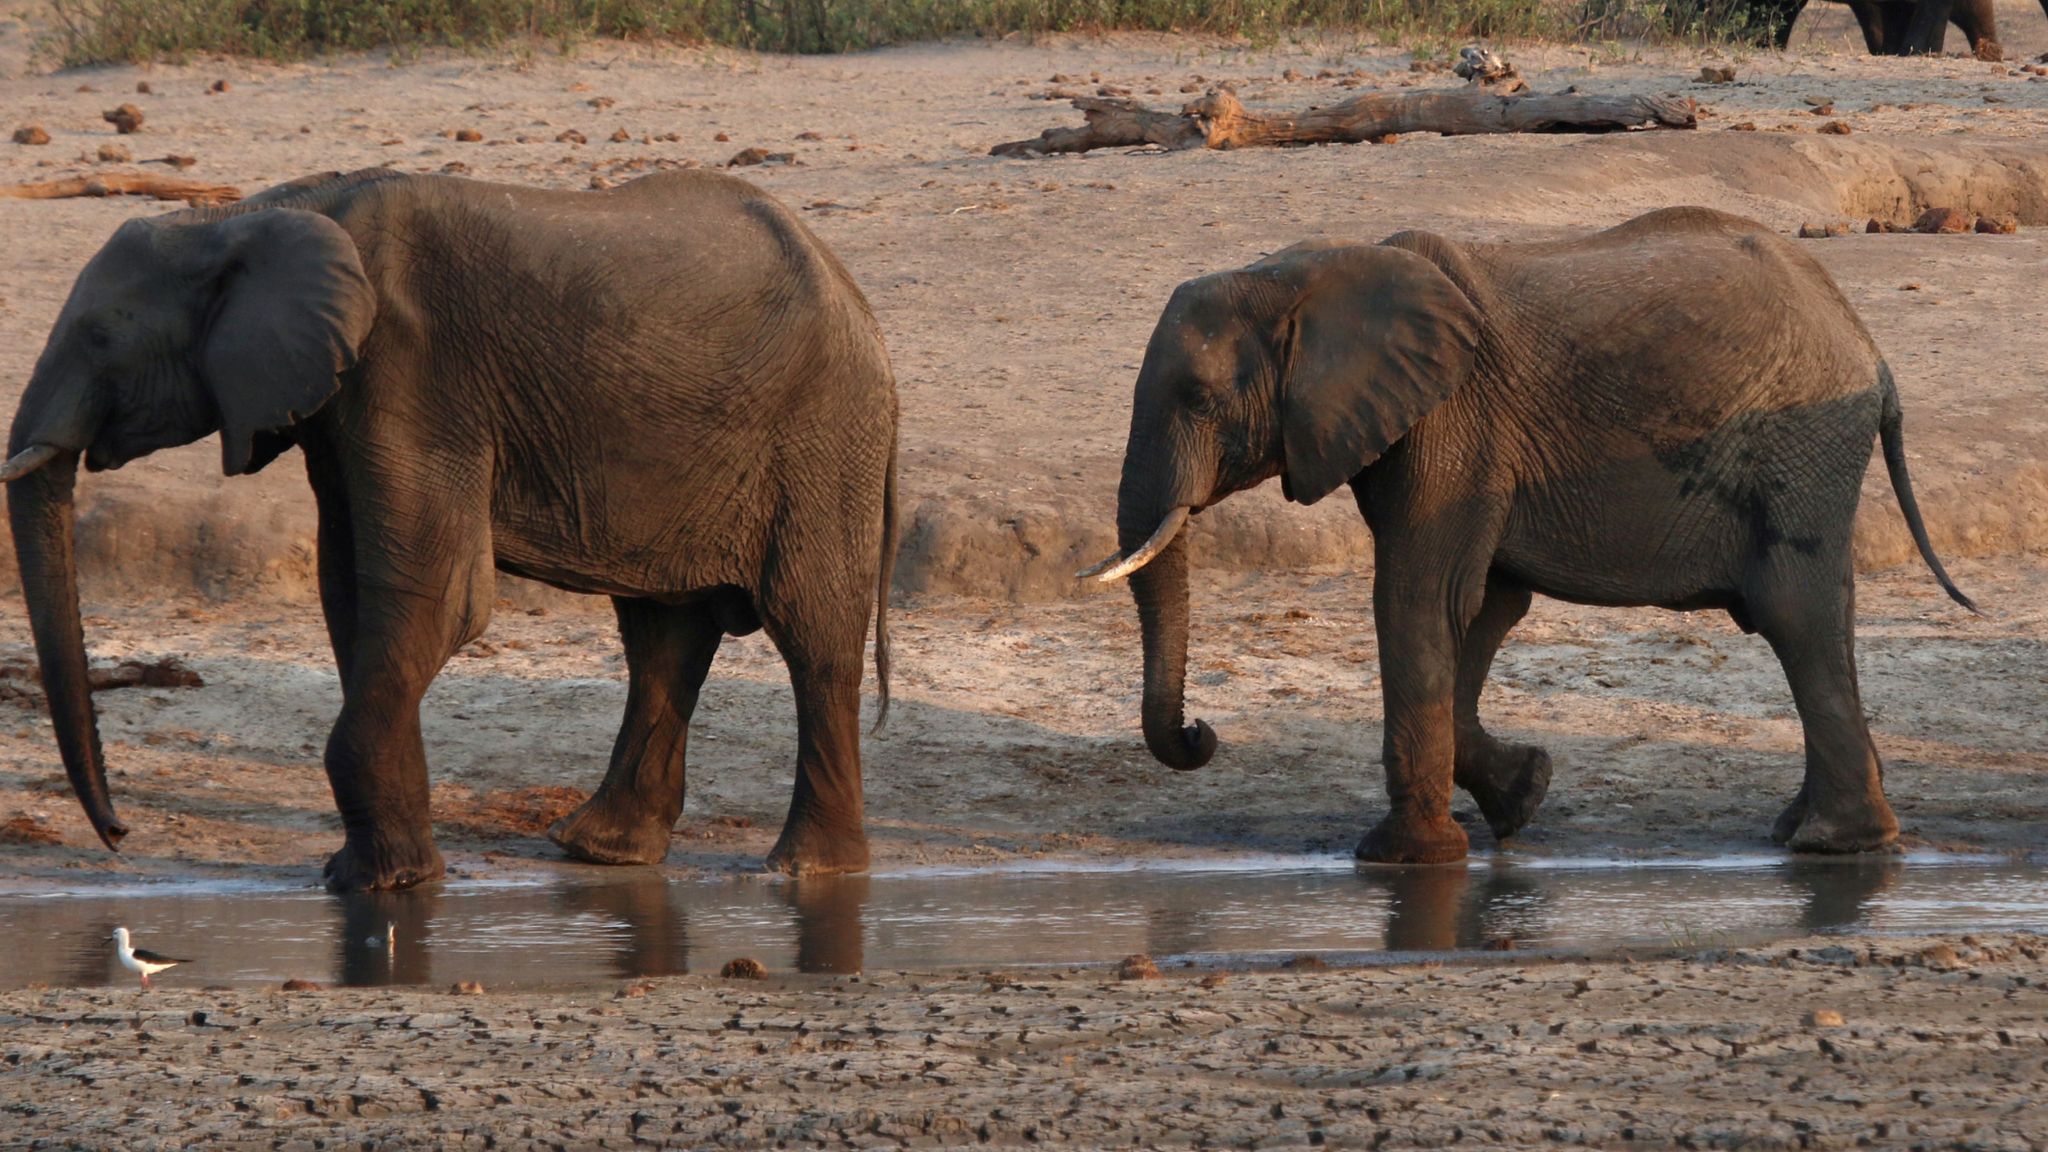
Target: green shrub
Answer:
[[103, 31]]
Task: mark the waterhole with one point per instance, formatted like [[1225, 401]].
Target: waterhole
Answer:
[[590, 925]]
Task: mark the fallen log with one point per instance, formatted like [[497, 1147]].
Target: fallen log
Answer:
[[125, 184], [1218, 120]]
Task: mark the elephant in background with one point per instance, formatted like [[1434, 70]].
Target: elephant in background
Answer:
[[1897, 27], [1676, 412], [669, 393]]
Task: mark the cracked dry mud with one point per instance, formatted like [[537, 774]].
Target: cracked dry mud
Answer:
[[1940, 1044]]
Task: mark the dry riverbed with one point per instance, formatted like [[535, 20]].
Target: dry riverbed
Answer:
[[1832, 1043]]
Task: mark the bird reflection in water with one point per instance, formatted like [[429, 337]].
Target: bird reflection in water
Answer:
[[385, 936]]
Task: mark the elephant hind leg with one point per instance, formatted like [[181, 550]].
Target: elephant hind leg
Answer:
[[818, 622], [1807, 612], [1507, 781], [630, 817]]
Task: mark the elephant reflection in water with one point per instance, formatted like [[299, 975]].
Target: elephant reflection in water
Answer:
[[656, 914], [386, 938], [1838, 892]]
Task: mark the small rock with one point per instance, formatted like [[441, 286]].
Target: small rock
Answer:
[[1717, 74], [179, 162], [466, 988], [1827, 109], [1214, 980], [1823, 231], [468, 135], [142, 88], [218, 87], [723, 137], [125, 119], [600, 102], [111, 153], [85, 88], [744, 968], [600, 183], [1997, 226], [456, 168], [1834, 128], [571, 136], [620, 136], [31, 134], [808, 136], [1944, 220], [1941, 958], [297, 985], [1137, 966], [1744, 126], [635, 991], [1305, 963], [747, 157], [1875, 226], [1824, 1018]]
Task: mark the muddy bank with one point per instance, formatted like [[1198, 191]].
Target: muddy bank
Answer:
[[1827, 1043]]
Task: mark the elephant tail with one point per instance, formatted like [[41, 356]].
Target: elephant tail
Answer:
[[1891, 428], [882, 583]]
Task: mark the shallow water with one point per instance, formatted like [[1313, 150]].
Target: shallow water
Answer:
[[598, 924]]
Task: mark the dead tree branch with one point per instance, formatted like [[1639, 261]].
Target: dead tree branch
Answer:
[[1218, 120], [125, 184]]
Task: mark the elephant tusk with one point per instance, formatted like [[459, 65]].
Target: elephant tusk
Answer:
[[1117, 567], [30, 459]]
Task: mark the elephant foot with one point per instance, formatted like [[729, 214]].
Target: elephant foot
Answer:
[[1399, 839], [598, 833], [806, 849], [1873, 830], [1787, 824], [1508, 782], [376, 862]]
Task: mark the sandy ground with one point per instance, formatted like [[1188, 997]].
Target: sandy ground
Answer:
[[1819, 1044], [1016, 296]]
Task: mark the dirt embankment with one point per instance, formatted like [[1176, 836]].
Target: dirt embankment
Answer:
[[1827, 1043]]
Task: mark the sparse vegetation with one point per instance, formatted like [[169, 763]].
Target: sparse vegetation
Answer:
[[109, 31]]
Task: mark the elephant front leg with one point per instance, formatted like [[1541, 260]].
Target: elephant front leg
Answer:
[[631, 816], [377, 766], [1418, 671], [1507, 781]]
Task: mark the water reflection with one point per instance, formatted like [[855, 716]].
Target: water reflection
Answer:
[[608, 924]]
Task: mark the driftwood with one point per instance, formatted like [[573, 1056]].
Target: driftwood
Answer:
[[1217, 120], [125, 184]]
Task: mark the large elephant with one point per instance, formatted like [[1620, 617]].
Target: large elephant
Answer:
[[1677, 412], [669, 393]]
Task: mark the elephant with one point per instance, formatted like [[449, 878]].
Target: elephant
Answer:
[[1897, 27], [1677, 411], [670, 393]]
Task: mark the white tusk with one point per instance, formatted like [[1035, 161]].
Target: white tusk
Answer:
[[1117, 567], [31, 458]]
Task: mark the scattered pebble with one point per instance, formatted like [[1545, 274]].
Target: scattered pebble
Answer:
[[1214, 980], [218, 87], [600, 102], [1744, 126], [1997, 226], [112, 153], [744, 968], [31, 134], [468, 135], [1835, 128], [125, 119], [1717, 74], [466, 988], [723, 137], [1305, 963], [747, 157], [1944, 220], [1824, 1018], [620, 136], [142, 88], [297, 985], [1137, 966], [571, 136]]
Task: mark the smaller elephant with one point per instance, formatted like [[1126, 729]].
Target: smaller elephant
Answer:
[[669, 392], [1675, 412]]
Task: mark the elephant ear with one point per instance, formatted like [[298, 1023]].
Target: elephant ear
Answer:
[[294, 307], [1379, 337]]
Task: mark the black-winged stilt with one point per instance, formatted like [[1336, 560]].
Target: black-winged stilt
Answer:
[[141, 960]]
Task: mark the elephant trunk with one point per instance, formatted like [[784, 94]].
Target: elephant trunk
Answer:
[[1161, 590], [39, 507]]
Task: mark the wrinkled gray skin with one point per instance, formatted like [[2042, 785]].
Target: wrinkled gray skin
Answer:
[[1674, 412], [1897, 27], [669, 393]]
